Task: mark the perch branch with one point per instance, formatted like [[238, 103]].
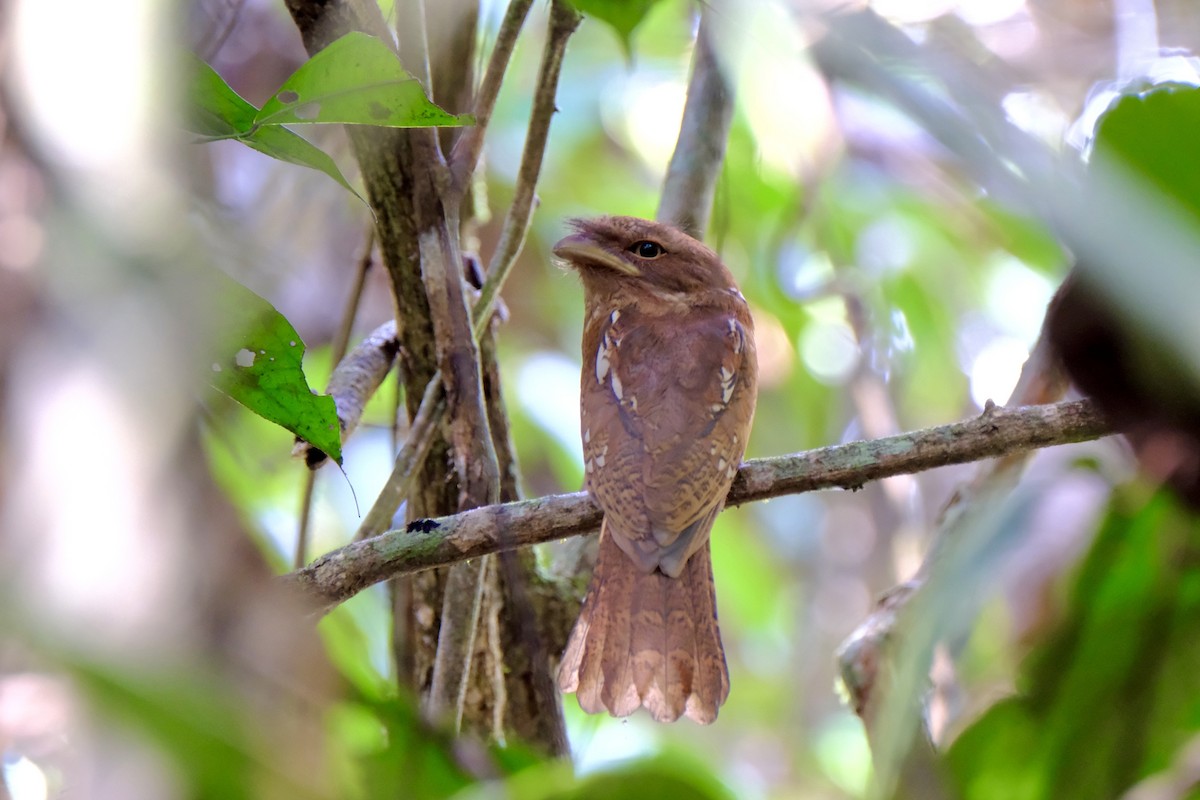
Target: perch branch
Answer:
[[342, 573]]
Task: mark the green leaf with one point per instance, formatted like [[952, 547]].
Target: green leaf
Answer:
[[1154, 133], [623, 16], [356, 80], [282, 144], [220, 113], [415, 761], [1111, 696], [216, 109], [260, 367]]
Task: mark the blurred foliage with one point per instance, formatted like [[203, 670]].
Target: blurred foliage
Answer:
[[623, 15], [1112, 693], [889, 292], [1150, 131]]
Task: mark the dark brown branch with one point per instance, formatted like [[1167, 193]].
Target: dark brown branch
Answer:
[[342, 573], [563, 23]]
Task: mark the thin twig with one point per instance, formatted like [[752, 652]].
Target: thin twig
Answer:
[[465, 155], [341, 340], [691, 181], [563, 22], [342, 573], [462, 601], [300, 557], [420, 438], [337, 348]]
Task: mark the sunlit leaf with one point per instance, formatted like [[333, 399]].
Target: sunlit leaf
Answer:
[[1115, 691], [218, 111], [261, 368], [1155, 134], [356, 80]]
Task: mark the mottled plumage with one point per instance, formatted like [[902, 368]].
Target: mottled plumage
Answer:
[[667, 397]]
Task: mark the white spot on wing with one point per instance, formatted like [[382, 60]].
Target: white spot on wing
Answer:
[[602, 363], [728, 381], [618, 390]]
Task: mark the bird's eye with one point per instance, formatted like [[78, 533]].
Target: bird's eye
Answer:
[[646, 249]]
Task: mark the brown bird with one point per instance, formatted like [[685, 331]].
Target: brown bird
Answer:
[[667, 396]]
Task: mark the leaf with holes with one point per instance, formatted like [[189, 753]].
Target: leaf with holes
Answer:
[[218, 112], [261, 368], [356, 80]]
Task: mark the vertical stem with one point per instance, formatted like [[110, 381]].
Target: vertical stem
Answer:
[[691, 182], [563, 22], [338, 347]]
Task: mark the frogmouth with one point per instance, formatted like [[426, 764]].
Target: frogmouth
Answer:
[[667, 397]]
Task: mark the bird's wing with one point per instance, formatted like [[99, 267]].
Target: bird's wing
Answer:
[[666, 414]]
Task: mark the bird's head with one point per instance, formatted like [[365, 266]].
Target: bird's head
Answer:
[[631, 254]]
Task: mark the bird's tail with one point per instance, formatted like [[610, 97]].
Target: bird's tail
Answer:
[[645, 639]]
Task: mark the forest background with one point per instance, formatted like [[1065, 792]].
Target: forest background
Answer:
[[900, 196]]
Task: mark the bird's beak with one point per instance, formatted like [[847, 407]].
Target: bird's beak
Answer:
[[578, 250]]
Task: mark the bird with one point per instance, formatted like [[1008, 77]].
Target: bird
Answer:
[[667, 395]]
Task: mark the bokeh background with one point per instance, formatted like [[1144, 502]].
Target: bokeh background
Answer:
[[890, 292]]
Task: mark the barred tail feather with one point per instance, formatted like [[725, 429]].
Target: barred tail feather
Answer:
[[645, 639]]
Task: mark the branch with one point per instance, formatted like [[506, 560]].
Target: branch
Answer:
[[687, 196], [421, 434], [342, 573], [466, 151], [864, 651], [563, 22]]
